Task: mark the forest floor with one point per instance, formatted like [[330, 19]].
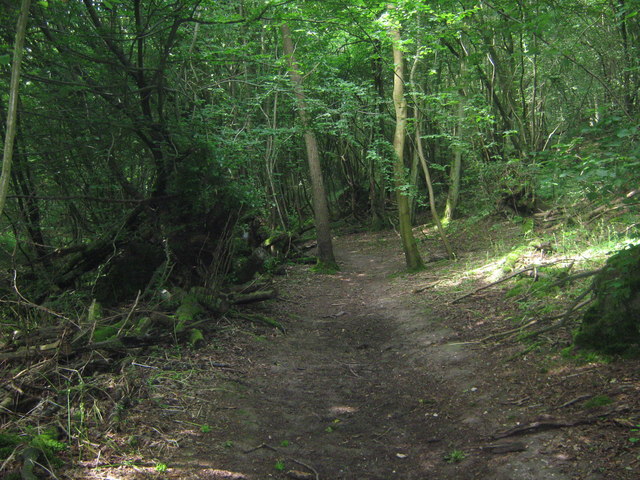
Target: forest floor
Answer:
[[380, 375]]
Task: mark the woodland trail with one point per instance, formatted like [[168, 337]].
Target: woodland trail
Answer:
[[365, 385]]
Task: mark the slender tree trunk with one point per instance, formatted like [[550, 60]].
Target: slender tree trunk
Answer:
[[422, 158], [456, 168], [411, 253], [377, 192], [413, 180], [432, 201], [12, 111], [320, 207]]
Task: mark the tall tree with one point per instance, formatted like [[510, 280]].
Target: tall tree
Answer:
[[411, 253], [320, 207], [12, 111]]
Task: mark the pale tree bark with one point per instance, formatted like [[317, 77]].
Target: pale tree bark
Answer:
[[12, 111], [320, 207], [411, 253]]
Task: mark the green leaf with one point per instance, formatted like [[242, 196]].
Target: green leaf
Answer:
[[5, 59]]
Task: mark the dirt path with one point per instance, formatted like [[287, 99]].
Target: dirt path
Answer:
[[370, 382], [363, 386]]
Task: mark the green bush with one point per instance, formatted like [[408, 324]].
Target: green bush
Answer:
[[612, 324]]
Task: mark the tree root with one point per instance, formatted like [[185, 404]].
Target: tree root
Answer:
[[547, 422]]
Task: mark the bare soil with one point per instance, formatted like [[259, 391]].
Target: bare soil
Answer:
[[372, 381]]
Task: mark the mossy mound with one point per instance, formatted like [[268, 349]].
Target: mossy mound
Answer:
[[612, 324]]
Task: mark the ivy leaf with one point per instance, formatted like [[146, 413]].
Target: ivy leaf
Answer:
[[5, 59]]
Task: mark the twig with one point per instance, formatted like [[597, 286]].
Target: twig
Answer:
[[546, 422], [506, 333], [33, 305], [273, 449], [126, 320], [576, 400], [497, 282], [32, 367], [564, 317], [262, 445], [315, 472], [566, 279]]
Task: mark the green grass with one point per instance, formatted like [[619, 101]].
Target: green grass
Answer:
[[455, 456], [598, 401]]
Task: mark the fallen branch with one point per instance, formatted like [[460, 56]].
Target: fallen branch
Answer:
[[610, 206], [259, 296], [581, 398], [507, 332], [566, 279], [492, 284], [508, 277], [564, 317]]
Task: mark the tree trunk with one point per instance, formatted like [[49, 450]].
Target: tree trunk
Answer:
[[12, 111], [432, 200], [412, 256], [377, 195], [456, 167], [320, 207]]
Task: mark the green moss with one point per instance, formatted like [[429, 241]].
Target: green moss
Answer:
[[188, 310], [143, 325], [598, 401], [326, 268], [196, 337], [612, 324], [103, 334]]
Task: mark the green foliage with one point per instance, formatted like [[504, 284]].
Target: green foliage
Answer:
[[8, 443], [187, 312], [104, 333], [455, 456], [45, 442], [196, 337], [602, 158], [611, 325], [512, 259]]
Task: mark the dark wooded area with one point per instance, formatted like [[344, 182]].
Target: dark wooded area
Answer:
[[163, 160]]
